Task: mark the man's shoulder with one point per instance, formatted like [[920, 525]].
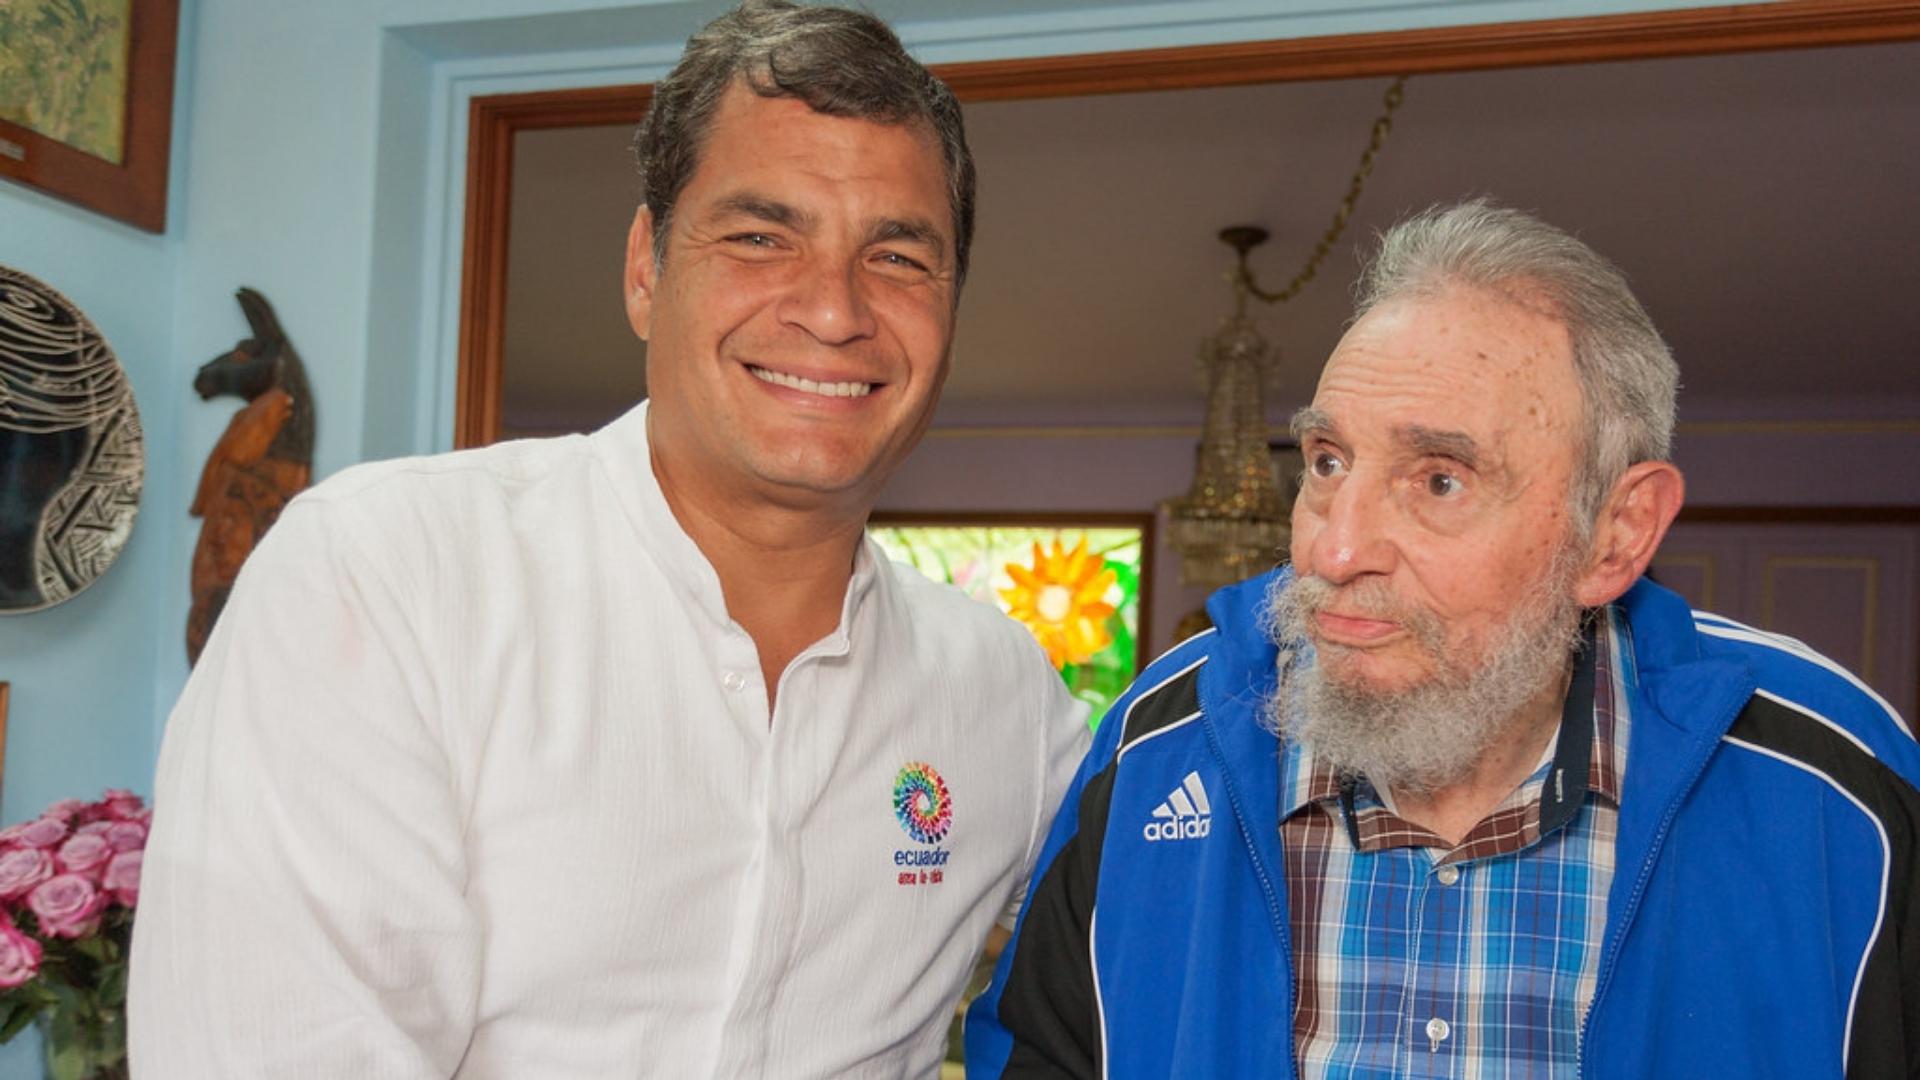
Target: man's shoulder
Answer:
[[1797, 686], [489, 471], [924, 596], [933, 624], [1162, 707], [413, 512], [955, 622], [989, 663], [428, 496]]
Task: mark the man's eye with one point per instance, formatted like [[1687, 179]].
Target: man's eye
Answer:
[[1443, 485], [895, 259], [761, 240], [1324, 464]]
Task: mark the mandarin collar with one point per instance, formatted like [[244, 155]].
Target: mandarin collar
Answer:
[[626, 456]]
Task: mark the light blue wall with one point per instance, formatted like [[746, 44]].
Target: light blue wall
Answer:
[[83, 672], [317, 157]]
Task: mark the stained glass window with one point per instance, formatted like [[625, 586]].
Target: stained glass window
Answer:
[[1077, 587]]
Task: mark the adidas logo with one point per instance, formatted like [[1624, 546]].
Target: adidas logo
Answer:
[[1185, 815]]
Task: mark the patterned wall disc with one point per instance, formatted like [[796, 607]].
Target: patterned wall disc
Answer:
[[71, 455]]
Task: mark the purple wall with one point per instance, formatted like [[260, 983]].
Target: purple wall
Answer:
[[1812, 463]]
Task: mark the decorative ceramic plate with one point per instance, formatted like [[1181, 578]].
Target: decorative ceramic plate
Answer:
[[71, 455]]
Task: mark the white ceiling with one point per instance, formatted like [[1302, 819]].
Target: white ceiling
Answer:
[[1766, 207]]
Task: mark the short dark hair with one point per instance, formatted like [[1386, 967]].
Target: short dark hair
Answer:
[[840, 62]]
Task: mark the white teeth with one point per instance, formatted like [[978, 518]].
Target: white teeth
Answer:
[[794, 382]]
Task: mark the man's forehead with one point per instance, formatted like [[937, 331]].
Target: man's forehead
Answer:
[[741, 101], [1472, 378], [1462, 350], [754, 138]]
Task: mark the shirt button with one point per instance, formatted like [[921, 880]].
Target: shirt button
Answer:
[[734, 681], [1447, 874], [1437, 1031]]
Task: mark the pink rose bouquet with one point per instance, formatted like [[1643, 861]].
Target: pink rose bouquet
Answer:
[[69, 880]]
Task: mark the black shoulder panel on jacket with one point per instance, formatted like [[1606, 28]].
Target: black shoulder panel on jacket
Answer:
[[1163, 706], [1884, 1043]]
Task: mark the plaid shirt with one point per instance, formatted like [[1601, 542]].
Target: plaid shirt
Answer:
[[1416, 958]]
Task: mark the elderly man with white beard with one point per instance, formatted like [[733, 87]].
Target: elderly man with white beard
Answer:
[[1461, 793]]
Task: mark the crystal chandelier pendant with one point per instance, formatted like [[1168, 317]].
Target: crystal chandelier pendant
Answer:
[[1232, 523]]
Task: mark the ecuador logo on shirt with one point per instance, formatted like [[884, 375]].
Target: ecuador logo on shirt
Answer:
[[924, 808]]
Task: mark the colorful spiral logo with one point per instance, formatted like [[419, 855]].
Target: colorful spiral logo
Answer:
[[922, 803]]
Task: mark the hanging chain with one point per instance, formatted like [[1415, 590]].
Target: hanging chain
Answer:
[[1381, 126]]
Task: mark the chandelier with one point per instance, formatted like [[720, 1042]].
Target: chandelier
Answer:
[[1233, 521]]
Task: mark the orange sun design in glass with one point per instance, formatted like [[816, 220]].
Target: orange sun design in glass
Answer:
[[1062, 599]]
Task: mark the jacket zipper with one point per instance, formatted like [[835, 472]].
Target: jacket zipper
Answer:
[[1253, 855], [1640, 887]]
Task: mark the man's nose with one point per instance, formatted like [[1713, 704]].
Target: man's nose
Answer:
[[1354, 535], [829, 301]]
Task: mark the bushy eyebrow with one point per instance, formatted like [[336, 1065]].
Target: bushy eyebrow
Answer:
[[1416, 439], [1434, 442], [1311, 421]]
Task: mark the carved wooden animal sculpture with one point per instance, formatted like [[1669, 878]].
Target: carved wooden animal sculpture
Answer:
[[263, 461]]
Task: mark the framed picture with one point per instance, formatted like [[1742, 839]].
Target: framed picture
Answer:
[[86, 102], [1080, 583]]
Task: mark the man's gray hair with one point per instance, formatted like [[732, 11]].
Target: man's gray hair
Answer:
[[1628, 379], [841, 63]]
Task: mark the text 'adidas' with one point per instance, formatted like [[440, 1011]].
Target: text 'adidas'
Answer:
[[1185, 815]]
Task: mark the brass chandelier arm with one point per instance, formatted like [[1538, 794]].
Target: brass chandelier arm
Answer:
[[1396, 93]]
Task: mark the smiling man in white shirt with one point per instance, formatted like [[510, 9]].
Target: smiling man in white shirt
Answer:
[[627, 753]]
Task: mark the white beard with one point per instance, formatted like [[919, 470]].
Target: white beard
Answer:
[[1434, 733]]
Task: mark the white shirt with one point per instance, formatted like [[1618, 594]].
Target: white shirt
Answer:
[[476, 779]]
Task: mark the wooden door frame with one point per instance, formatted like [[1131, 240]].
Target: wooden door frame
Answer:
[[493, 121]]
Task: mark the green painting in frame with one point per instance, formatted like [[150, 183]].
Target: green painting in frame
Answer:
[[63, 71], [86, 102], [1078, 583]]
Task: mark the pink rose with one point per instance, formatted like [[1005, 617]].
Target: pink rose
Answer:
[[64, 810], [41, 832], [84, 853], [21, 869], [67, 905], [19, 957], [122, 805], [93, 828], [126, 835], [122, 878]]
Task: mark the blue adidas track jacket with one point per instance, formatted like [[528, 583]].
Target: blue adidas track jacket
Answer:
[[1762, 920]]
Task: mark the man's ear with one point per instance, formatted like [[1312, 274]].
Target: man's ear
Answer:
[[1632, 523], [640, 274]]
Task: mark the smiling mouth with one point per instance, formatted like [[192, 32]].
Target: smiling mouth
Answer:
[[808, 386]]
